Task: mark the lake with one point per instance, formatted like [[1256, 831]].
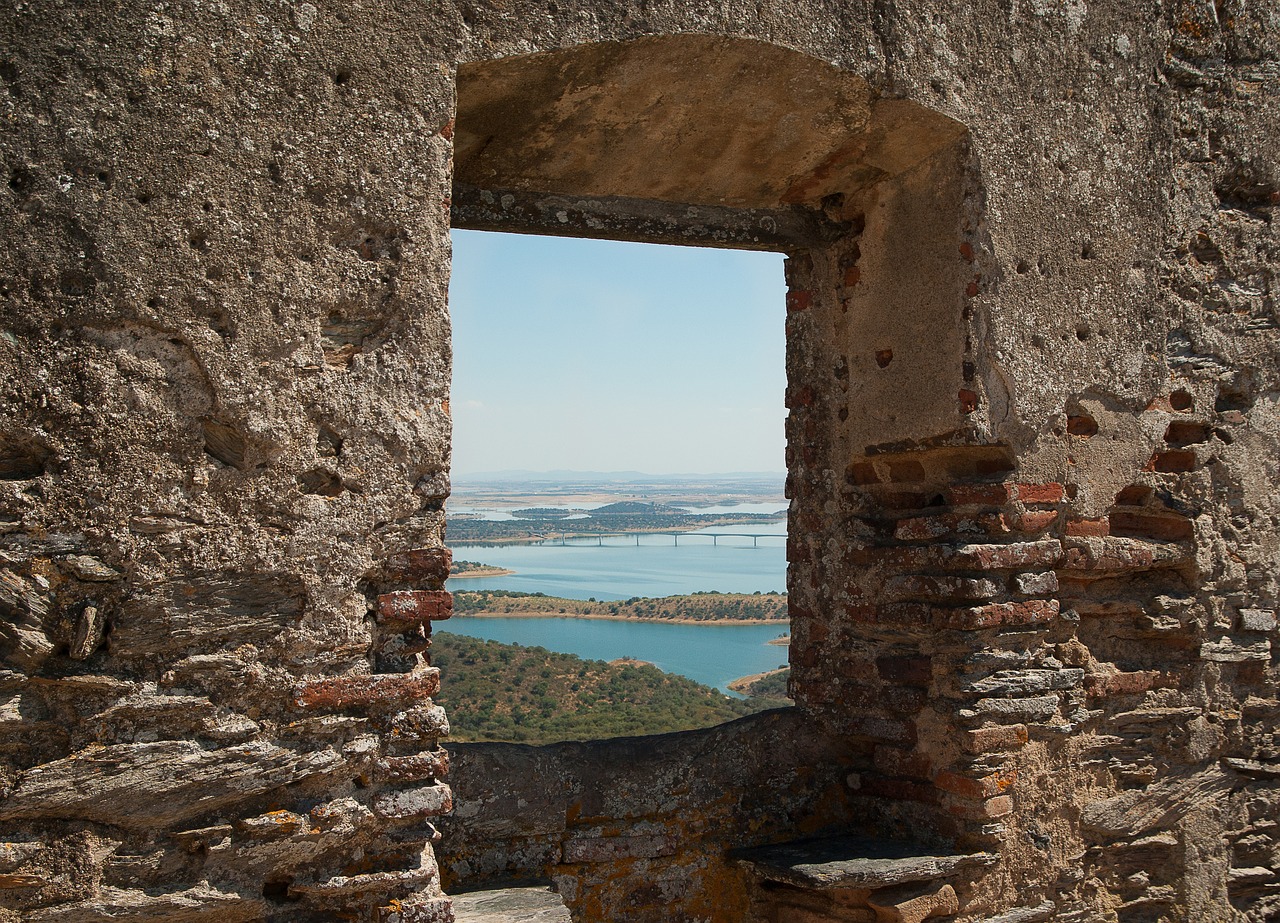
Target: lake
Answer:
[[644, 565], [619, 568], [714, 654]]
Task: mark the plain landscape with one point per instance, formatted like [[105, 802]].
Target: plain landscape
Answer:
[[528, 693]]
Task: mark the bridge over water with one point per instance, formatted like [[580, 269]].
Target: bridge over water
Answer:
[[584, 538]]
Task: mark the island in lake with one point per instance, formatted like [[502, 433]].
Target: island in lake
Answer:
[[736, 608], [463, 569], [536, 511]]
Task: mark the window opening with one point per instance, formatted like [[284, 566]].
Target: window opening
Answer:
[[618, 472]]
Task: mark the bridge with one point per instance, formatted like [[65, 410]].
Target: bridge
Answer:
[[581, 538]]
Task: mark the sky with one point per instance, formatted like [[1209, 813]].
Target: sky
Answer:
[[591, 355]]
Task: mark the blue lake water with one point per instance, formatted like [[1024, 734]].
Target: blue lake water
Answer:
[[711, 654], [647, 565]]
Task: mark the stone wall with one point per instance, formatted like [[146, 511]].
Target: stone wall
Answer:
[[1033, 381]]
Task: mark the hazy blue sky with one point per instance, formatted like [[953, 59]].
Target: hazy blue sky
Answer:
[[608, 356]]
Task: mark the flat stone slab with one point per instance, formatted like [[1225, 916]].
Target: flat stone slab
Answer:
[[510, 905], [853, 862]]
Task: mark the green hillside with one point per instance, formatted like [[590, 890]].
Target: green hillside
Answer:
[[496, 691]]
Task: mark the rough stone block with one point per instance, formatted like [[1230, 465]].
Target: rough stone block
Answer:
[[894, 761], [1045, 553], [414, 803], [416, 767], [1105, 555], [1228, 650], [888, 730], [1133, 683], [435, 910], [1027, 682], [1038, 584], [613, 848], [912, 904], [422, 724], [942, 587], [1257, 619], [151, 786], [194, 905], [897, 789], [906, 670], [203, 614], [1036, 708]]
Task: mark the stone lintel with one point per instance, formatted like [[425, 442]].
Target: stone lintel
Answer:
[[853, 862], [619, 218]]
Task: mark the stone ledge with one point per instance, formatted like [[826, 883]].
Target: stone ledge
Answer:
[[853, 862], [510, 905]]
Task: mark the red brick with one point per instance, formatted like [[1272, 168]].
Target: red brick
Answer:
[[906, 470], [972, 288], [979, 494], [1173, 461], [1082, 425], [801, 396], [1089, 527], [1182, 433], [993, 615], [966, 251], [405, 608], [799, 300], [861, 473], [852, 276], [999, 806], [1039, 493], [996, 739], [1163, 527], [968, 399], [419, 565], [381, 691], [903, 499], [977, 788], [1035, 520]]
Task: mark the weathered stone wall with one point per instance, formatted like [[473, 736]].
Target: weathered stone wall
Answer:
[[1033, 358], [632, 828]]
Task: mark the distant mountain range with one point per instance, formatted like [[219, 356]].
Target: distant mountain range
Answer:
[[626, 477]]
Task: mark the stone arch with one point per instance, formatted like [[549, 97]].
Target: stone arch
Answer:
[[726, 142]]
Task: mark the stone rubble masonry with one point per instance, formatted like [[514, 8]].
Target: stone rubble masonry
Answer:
[[1033, 372]]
